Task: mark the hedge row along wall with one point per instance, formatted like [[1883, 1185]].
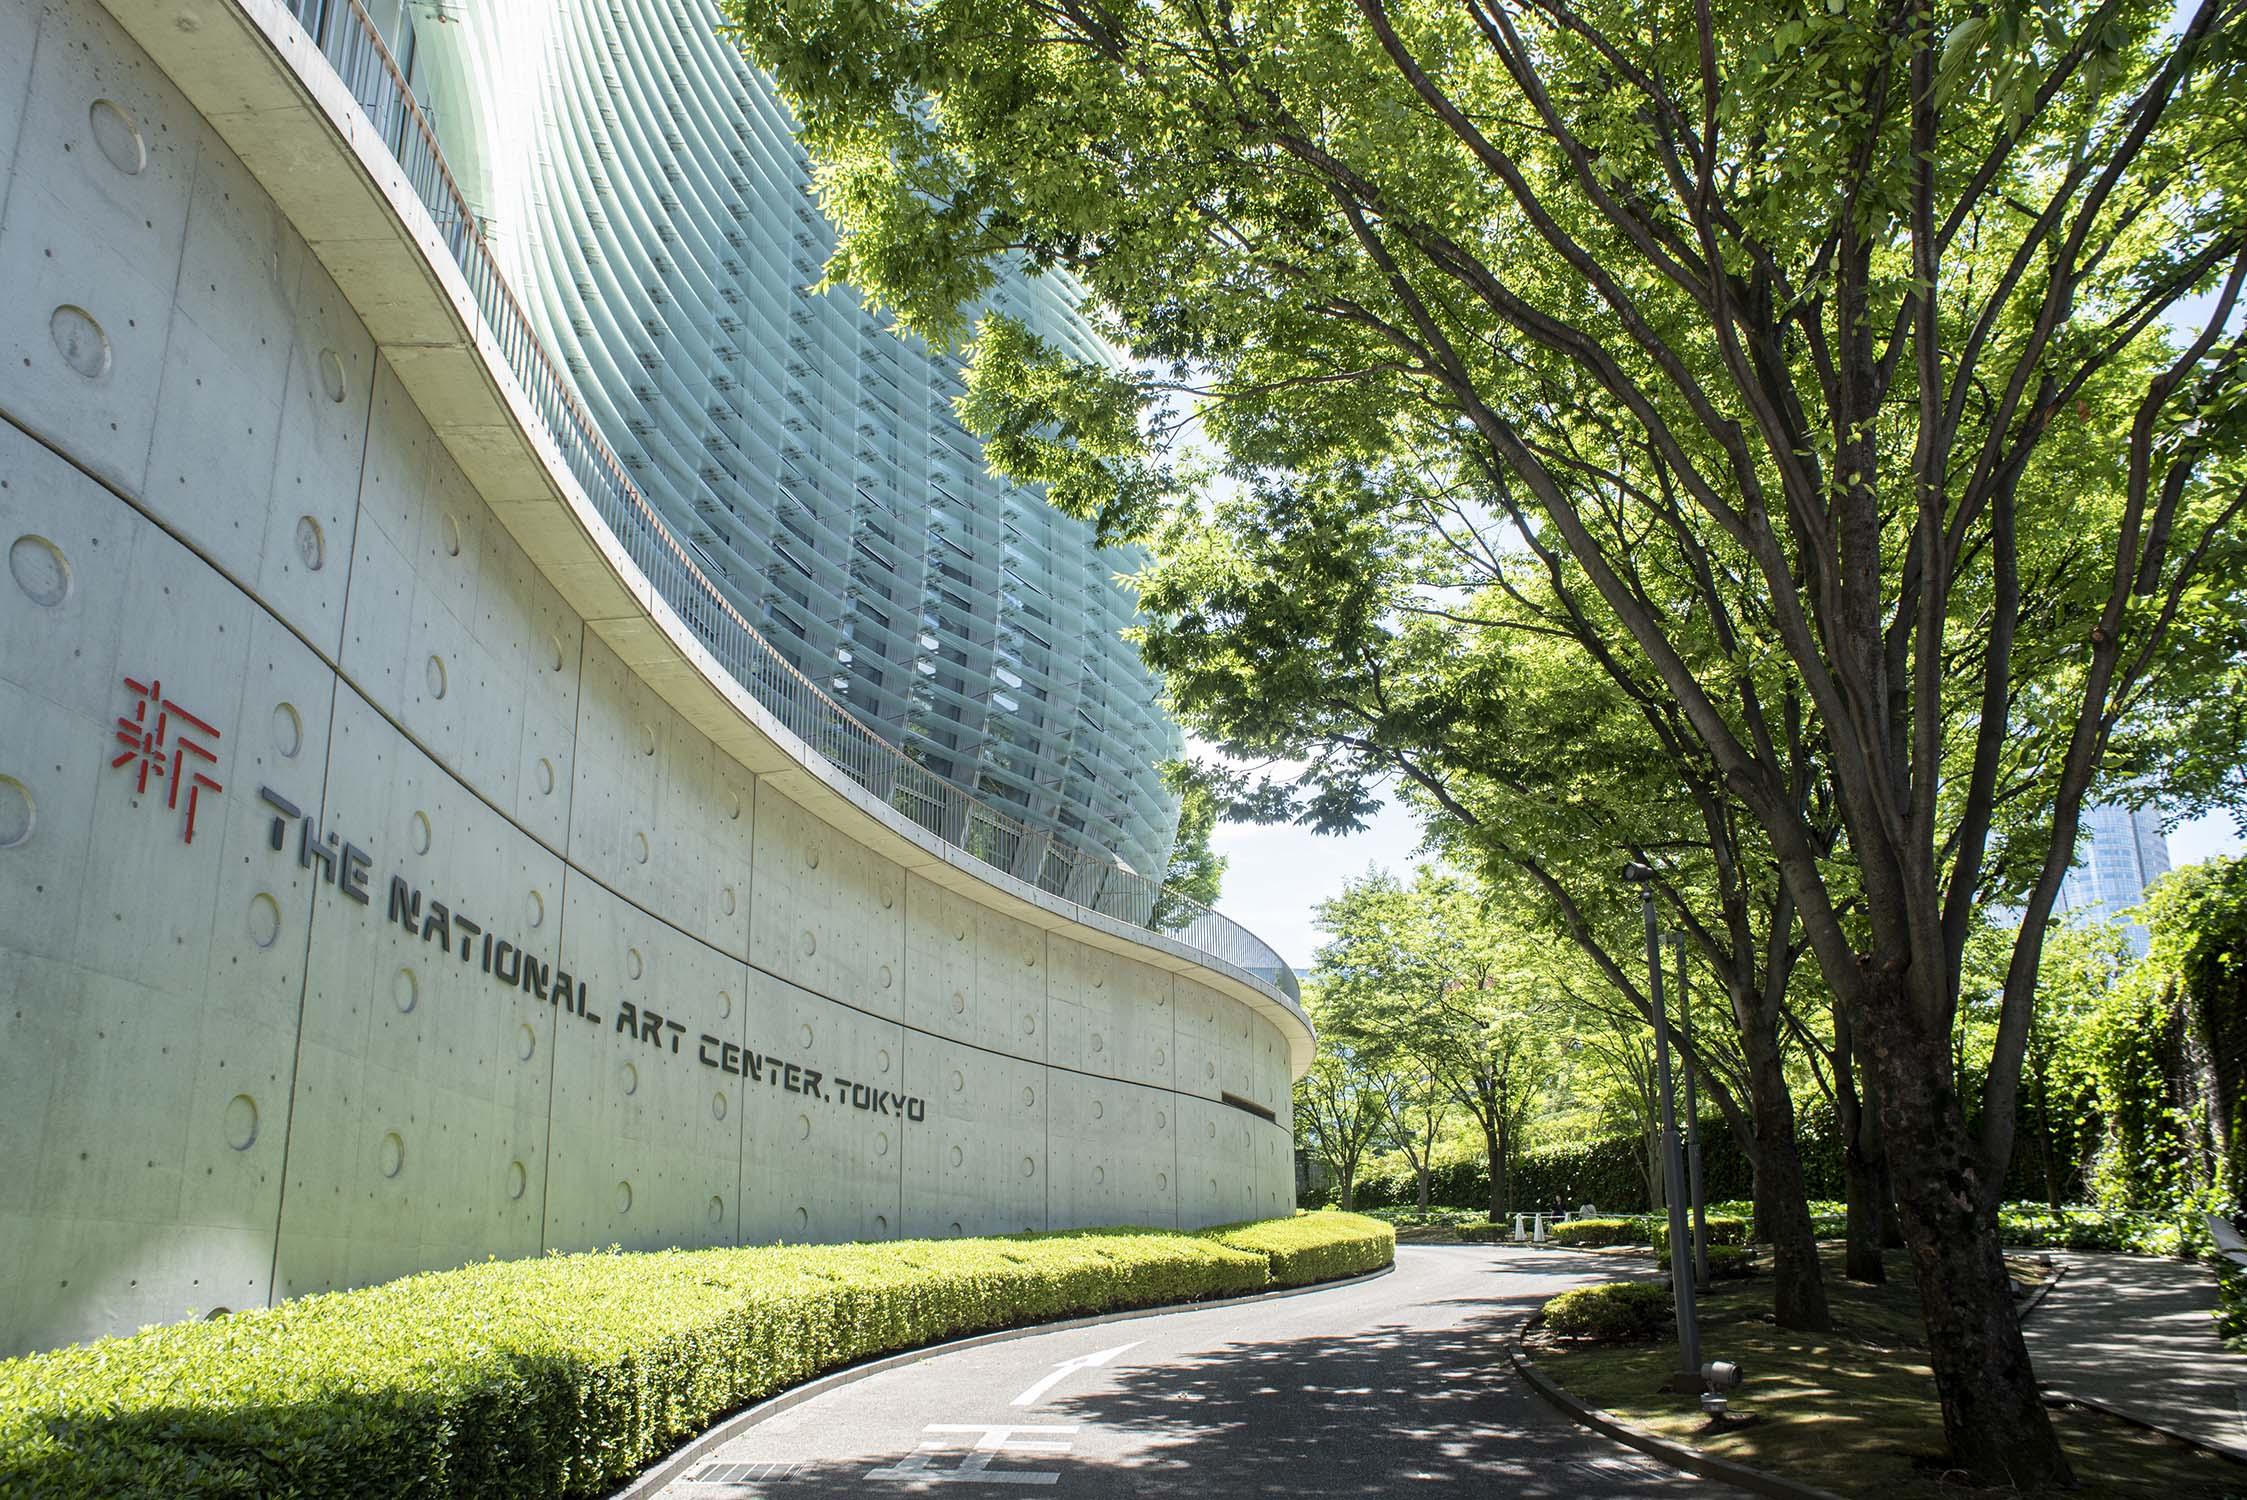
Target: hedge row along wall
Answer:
[[567, 1375]]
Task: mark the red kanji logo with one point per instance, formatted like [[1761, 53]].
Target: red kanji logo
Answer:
[[163, 748]]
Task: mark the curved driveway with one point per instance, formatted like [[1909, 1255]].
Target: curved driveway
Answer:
[[1391, 1386]]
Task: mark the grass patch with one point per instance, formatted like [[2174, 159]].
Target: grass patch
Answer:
[[568, 1374], [1853, 1411]]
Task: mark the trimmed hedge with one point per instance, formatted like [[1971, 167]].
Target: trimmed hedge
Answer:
[[1311, 1247], [1598, 1232], [564, 1375], [1723, 1230], [1612, 1312]]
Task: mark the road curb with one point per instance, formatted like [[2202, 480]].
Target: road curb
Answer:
[[726, 1429], [1676, 1455], [2057, 1396], [2043, 1290], [2061, 1396]]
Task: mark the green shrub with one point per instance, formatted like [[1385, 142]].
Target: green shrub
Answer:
[[1829, 1218], [563, 1375], [1723, 1230], [2037, 1226], [1614, 1312], [1453, 1179], [1318, 1246], [1598, 1232], [1609, 1170], [2231, 1303], [1411, 1217], [1731, 1262]]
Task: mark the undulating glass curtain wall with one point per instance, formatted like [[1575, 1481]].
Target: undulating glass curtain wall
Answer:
[[646, 194]]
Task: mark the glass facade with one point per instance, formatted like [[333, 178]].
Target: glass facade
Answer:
[[2119, 852], [643, 190]]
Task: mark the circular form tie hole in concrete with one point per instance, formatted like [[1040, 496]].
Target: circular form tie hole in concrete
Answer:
[[80, 341], [117, 136], [19, 815], [40, 570], [311, 544]]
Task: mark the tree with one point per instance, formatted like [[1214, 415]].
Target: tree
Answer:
[[1870, 1227], [1415, 1108], [2197, 971], [1823, 301], [1493, 1059], [1428, 975], [1196, 870], [1623, 1052], [1543, 780], [1338, 1112], [1387, 961], [2084, 965]]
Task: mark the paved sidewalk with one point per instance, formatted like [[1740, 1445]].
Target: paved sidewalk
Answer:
[[2136, 1333]]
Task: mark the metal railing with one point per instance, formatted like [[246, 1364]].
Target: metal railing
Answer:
[[348, 38]]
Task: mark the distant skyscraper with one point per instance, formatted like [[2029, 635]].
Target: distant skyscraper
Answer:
[[2119, 852]]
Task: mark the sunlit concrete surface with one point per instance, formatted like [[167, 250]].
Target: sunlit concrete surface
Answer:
[[385, 880]]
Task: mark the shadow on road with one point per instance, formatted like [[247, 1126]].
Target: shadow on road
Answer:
[[1365, 1414], [1424, 1399]]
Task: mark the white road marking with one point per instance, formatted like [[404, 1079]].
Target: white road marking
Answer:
[[975, 1463], [1069, 1367]]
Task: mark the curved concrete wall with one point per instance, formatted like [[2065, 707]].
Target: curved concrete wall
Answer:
[[478, 946], [646, 192]]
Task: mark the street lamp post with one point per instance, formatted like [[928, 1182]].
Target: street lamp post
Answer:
[[1692, 1128], [1673, 1166]]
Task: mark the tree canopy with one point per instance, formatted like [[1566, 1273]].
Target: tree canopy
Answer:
[[1817, 360]]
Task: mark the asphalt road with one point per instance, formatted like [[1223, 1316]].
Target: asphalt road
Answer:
[[1393, 1386]]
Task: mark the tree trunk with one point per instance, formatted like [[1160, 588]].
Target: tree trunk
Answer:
[[1349, 1193], [1993, 1414], [1865, 1186], [2044, 1138], [1883, 1175], [1798, 1286], [1497, 1150], [1760, 1220], [1870, 1198], [1423, 1171]]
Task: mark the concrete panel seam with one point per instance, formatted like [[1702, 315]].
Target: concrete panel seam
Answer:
[[277, 34], [346, 678], [304, 985], [23, 112]]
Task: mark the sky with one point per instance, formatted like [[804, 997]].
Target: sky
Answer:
[[1275, 876]]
